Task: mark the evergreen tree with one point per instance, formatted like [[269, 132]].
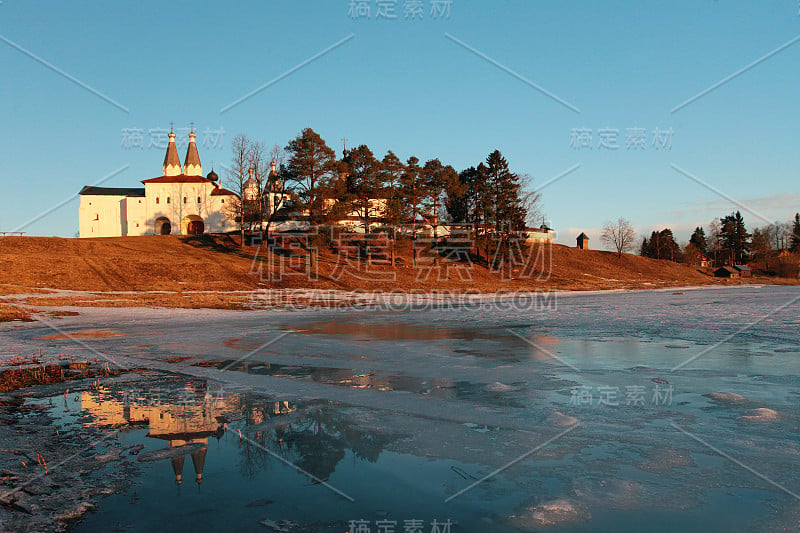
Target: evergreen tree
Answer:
[[652, 248], [413, 190], [507, 213], [437, 179], [483, 208], [396, 210], [669, 248], [363, 183], [795, 242], [311, 169], [460, 201], [735, 238], [698, 239], [644, 248], [662, 245]]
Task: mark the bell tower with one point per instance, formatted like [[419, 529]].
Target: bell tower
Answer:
[[172, 163], [191, 165]]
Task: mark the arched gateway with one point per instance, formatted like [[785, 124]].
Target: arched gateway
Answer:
[[192, 225], [163, 226]]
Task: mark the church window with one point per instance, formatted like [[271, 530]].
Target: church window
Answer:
[[198, 199], [167, 199], [184, 199], [157, 200], [222, 201]]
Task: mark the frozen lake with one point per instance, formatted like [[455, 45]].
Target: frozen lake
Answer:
[[661, 411]]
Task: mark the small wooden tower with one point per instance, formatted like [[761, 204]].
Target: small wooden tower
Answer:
[[583, 241]]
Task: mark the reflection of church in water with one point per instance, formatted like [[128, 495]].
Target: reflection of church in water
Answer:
[[188, 417]]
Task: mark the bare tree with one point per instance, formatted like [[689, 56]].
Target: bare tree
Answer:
[[236, 180], [274, 190], [715, 238], [531, 201], [619, 234], [779, 234], [259, 165]]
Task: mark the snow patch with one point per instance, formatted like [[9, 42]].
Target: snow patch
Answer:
[[549, 514], [561, 420], [727, 397], [762, 414]]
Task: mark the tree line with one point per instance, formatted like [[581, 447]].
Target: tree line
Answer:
[[310, 183], [726, 242]]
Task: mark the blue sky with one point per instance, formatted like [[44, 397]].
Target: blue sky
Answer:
[[405, 85]]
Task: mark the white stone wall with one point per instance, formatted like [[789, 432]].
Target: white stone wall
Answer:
[[534, 237], [220, 219], [211, 209], [118, 216], [137, 216], [101, 216], [167, 200]]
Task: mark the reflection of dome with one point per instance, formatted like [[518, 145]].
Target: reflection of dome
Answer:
[[199, 461], [213, 176], [177, 467]]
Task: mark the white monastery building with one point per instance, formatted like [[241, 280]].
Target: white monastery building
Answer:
[[179, 202]]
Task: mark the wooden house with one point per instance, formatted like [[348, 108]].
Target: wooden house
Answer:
[[726, 272]]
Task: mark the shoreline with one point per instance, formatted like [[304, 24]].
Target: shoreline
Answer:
[[63, 302]]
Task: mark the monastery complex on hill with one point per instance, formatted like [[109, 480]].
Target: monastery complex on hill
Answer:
[[180, 201], [184, 202]]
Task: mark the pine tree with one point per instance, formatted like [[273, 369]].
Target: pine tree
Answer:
[[483, 208], [396, 209], [795, 242], [735, 238], [698, 239], [668, 248], [363, 184], [312, 171], [509, 214], [438, 179], [661, 245], [460, 201], [652, 248], [413, 190]]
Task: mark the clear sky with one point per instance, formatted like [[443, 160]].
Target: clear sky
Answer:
[[530, 78]]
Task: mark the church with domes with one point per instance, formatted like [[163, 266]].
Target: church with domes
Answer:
[[179, 202]]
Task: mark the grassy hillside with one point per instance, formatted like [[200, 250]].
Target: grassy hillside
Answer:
[[171, 263]]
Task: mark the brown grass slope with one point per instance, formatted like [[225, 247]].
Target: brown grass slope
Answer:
[[124, 264], [179, 264]]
